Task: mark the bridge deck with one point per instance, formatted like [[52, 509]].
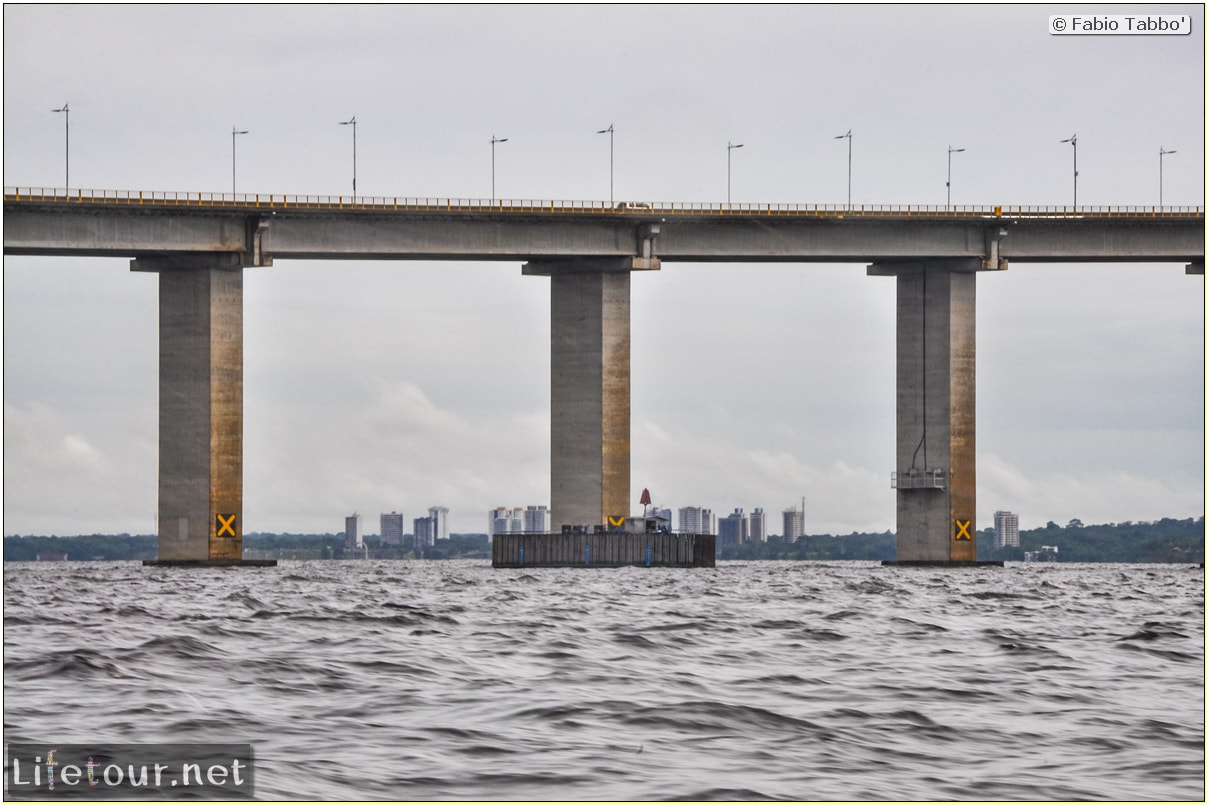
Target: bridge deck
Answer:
[[257, 229], [253, 202]]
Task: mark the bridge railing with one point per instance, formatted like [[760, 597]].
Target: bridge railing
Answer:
[[640, 209]]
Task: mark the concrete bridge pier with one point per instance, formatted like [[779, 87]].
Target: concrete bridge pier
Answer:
[[589, 386], [934, 475], [200, 408]]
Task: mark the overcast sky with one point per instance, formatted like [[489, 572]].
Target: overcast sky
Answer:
[[376, 386]]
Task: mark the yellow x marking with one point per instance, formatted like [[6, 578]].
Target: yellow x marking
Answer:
[[225, 525], [616, 521], [963, 530]]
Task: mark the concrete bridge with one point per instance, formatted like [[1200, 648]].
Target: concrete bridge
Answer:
[[200, 243]]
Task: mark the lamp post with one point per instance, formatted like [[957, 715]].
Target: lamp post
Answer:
[[848, 134], [1074, 144], [353, 122], [609, 131], [66, 144], [949, 180], [729, 148], [494, 140], [1162, 153], [234, 132]]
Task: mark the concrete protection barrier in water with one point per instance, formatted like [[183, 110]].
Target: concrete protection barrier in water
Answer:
[[602, 550]]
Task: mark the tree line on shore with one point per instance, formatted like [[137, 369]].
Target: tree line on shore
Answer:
[[1168, 540], [1164, 541]]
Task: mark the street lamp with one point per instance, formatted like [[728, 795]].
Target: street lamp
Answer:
[[949, 181], [729, 148], [848, 134], [234, 132], [66, 144], [609, 131], [494, 140], [1074, 144], [353, 122], [1162, 153]]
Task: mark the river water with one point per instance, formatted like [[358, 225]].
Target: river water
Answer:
[[800, 681]]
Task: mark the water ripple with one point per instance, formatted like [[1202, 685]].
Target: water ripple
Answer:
[[756, 681]]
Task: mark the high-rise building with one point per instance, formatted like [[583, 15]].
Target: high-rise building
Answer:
[[794, 521], [505, 520], [697, 521], [391, 529], [665, 516], [537, 519], [757, 530], [497, 521], [352, 533], [732, 530], [425, 532], [440, 521], [1007, 529]]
